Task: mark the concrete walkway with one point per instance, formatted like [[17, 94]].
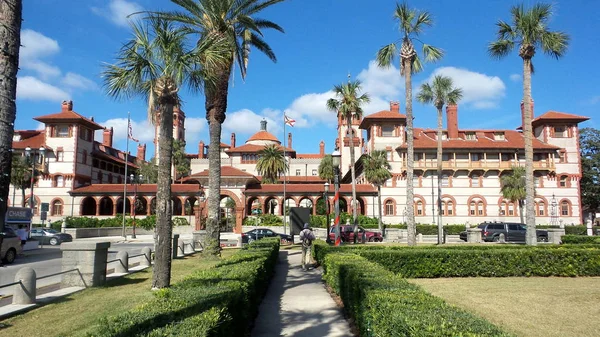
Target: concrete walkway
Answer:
[[297, 304]]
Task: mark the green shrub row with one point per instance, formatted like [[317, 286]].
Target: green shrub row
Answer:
[[384, 304], [149, 222], [580, 239], [221, 301]]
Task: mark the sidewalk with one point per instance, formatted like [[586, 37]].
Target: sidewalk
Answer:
[[297, 304]]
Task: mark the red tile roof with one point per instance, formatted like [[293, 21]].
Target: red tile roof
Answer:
[[256, 148], [69, 116], [384, 115], [299, 179], [223, 145], [34, 141], [226, 171], [309, 188], [309, 156], [263, 135], [562, 116], [102, 150], [143, 188]]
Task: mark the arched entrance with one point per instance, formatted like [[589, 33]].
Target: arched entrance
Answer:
[[253, 206], [190, 205], [106, 206], [120, 206], [271, 205], [141, 206], [176, 206], [228, 213], [88, 206]]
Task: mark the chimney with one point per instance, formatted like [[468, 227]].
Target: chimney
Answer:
[[201, 150], [523, 113], [107, 140], [452, 120], [232, 140], [67, 106], [289, 144], [263, 125], [322, 148], [395, 107], [141, 152]]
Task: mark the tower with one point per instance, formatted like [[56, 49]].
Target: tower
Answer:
[[344, 134], [178, 128]]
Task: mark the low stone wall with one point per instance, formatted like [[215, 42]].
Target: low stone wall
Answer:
[[82, 233]]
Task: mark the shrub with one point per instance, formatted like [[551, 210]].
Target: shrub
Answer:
[[221, 301], [581, 239], [383, 304], [179, 222]]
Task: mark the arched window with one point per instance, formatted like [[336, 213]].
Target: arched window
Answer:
[[419, 207], [540, 208], [563, 181], [389, 207], [57, 208], [476, 207], [447, 207], [565, 208], [59, 181]]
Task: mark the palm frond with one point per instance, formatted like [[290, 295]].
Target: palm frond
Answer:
[[423, 19], [386, 55], [501, 48], [432, 54], [260, 44], [554, 44], [425, 95]]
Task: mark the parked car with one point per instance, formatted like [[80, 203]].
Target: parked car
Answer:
[[347, 234], [49, 236], [513, 232], [11, 245], [259, 233]]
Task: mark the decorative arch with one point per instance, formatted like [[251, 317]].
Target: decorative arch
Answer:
[[420, 205], [306, 202], [253, 205], [176, 206], [507, 207], [541, 206], [289, 202], [87, 206], [140, 205], [389, 207], [120, 206], [448, 205], [106, 206], [36, 203], [477, 205], [189, 205], [56, 207], [271, 205], [565, 207]]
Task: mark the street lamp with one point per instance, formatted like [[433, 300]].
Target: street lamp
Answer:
[[201, 199], [135, 182], [29, 153], [336, 157], [553, 211], [326, 197]]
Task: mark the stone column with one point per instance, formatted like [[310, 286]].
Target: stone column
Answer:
[[89, 258], [147, 259], [474, 235], [239, 216], [123, 263], [555, 235], [25, 292]]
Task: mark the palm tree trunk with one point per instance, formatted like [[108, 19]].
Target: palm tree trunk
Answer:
[[410, 153], [22, 197], [439, 176], [353, 173], [528, 134], [10, 40], [520, 203], [161, 276], [216, 106], [381, 229]]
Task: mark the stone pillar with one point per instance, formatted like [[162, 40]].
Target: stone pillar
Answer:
[[588, 225], [555, 235], [181, 248], [239, 217], [147, 259], [123, 263], [175, 245], [474, 235], [97, 207], [199, 238], [89, 258], [419, 238], [25, 292]]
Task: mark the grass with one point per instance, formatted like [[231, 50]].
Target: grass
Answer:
[[81, 311], [533, 306]]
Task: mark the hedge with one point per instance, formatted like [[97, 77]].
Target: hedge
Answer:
[[148, 222], [220, 301], [384, 304], [580, 239]]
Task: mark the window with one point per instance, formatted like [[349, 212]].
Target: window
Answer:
[[419, 207], [110, 178], [476, 207], [314, 172], [562, 156], [100, 176], [389, 207], [298, 172], [447, 207], [57, 208], [507, 208], [475, 181], [563, 182], [476, 157], [538, 181], [565, 208], [445, 157], [61, 131], [445, 180], [560, 132], [540, 207], [85, 134], [470, 136], [499, 136], [59, 181], [387, 131], [506, 156], [418, 156], [388, 155], [60, 155]]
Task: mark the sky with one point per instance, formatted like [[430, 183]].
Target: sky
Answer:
[[65, 45]]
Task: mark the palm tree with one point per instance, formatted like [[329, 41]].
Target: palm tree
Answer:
[[155, 64], [326, 168], [271, 164], [513, 188], [411, 24], [348, 103], [232, 22], [529, 31], [440, 93], [10, 29], [377, 171], [20, 176]]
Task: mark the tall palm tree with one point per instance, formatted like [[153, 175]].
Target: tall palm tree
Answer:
[[10, 30], [529, 31], [513, 188], [271, 164], [326, 168], [411, 24], [440, 93], [231, 21], [20, 176], [377, 171], [155, 64], [347, 103]]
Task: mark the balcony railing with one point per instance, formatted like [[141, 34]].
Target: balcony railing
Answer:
[[465, 164]]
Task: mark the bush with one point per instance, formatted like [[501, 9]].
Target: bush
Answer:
[[580, 239], [263, 220], [221, 301], [383, 304], [574, 230]]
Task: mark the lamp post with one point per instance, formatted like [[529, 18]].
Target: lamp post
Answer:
[[201, 199], [31, 155], [135, 183], [326, 197], [553, 211], [336, 157]]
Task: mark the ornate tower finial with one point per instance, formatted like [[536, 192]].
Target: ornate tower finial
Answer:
[[263, 125]]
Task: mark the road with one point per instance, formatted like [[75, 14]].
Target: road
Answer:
[[47, 260]]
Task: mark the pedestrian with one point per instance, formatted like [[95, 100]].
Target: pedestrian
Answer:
[[22, 233], [306, 237]]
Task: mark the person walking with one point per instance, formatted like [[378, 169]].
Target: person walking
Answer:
[[306, 237], [23, 235]]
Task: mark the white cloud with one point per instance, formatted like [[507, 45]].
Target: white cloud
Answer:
[[31, 88], [118, 10], [479, 90], [77, 81], [142, 130], [193, 127], [36, 46], [515, 77], [248, 122], [381, 82]]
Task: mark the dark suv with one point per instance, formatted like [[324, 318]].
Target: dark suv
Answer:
[[513, 232]]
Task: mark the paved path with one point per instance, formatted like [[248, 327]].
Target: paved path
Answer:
[[297, 304]]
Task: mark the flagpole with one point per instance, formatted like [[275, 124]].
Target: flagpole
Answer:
[[125, 180], [284, 174]]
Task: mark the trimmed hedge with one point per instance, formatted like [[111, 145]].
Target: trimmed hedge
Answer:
[[581, 239], [384, 304], [221, 301]]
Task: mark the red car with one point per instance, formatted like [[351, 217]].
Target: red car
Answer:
[[347, 234]]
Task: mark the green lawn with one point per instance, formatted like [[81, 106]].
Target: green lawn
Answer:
[[81, 310], [535, 306]]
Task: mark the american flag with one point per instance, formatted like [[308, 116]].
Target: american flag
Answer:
[[289, 121], [130, 132]]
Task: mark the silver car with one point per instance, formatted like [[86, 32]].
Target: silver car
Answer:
[[11, 245]]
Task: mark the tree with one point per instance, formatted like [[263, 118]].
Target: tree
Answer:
[[271, 164], [347, 104], [10, 41], [411, 24], [529, 31], [440, 93], [377, 171], [326, 168], [149, 170], [155, 64], [181, 163], [589, 145], [232, 22], [513, 188], [20, 176]]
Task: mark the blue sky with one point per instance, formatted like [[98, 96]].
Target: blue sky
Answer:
[[65, 44]]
